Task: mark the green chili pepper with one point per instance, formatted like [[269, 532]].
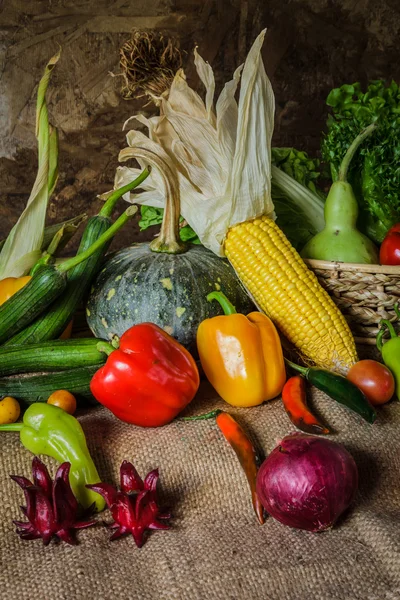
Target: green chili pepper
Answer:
[[390, 350], [339, 388], [49, 430]]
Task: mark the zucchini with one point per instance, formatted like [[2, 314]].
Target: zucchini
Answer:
[[24, 306], [46, 285], [37, 387], [54, 355], [51, 324]]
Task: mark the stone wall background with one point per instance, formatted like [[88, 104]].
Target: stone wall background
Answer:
[[311, 46]]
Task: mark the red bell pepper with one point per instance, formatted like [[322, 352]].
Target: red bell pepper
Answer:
[[148, 380]]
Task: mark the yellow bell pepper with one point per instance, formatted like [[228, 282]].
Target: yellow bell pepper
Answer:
[[241, 355], [11, 285]]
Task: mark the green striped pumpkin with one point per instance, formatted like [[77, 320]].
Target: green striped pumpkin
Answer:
[[137, 285]]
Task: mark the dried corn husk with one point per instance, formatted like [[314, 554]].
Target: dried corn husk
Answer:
[[22, 247], [222, 151]]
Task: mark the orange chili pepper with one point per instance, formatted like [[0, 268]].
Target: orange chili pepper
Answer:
[[295, 403], [244, 450], [241, 355]]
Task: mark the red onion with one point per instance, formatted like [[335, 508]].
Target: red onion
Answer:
[[307, 482]]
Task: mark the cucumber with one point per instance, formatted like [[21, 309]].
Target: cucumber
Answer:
[[47, 284], [50, 325], [54, 355], [37, 387]]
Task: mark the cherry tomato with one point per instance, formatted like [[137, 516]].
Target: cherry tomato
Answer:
[[389, 253], [64, 400], [9, 410], [374, 379]]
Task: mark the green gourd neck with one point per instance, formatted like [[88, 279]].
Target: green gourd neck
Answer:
[[341, 207]]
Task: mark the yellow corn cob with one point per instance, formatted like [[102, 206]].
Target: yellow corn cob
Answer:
[[285, 289]]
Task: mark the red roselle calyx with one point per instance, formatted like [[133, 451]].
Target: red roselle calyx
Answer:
[[135, 507], [51, 507]]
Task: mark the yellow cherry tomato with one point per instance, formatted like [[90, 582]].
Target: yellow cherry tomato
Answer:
[[64, 400], [9, 410]]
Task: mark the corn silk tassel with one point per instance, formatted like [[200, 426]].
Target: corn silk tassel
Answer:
[[222, 157]]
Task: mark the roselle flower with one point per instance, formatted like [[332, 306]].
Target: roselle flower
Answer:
[[51, 507], [134, 508]]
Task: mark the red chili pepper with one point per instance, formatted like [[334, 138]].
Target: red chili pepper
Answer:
[[295, 403], [148, 380], [244, 449]]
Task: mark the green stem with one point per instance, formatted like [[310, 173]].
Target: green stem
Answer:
[[48, 256], [396, 310], [11, 427], [302, 370], [226, 305], [209, 415], [344, 167], [385, 325], [105, 347], [107, 235], [110, 203]]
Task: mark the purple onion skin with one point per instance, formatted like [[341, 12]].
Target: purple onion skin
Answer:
[[307, 482]]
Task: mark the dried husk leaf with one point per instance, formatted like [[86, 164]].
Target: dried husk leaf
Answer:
[[222, 154], [23, 245]]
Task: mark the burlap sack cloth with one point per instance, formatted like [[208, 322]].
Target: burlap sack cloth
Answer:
[[215, 549]]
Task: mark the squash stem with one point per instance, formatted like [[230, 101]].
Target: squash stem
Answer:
[[110, 203], [226, 305], [344, 167], [107, 235], [168, 240]]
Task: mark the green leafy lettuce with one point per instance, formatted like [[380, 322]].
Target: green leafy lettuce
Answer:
[[375, 170], [151, 216]]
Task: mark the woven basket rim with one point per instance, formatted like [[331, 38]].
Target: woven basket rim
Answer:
[[361, 268]]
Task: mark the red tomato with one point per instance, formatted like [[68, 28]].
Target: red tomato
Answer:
[[389, 253], [374, 379], [394, 229]]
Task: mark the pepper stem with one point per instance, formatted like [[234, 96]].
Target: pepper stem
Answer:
[[344, 166], [105, 347], [112, 200], [210, 415], [385, 325], [11, 427], [107, 235], [396, 310], [226, 304], [302, 370]]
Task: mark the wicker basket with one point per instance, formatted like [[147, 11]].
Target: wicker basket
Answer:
[[364, 293]]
